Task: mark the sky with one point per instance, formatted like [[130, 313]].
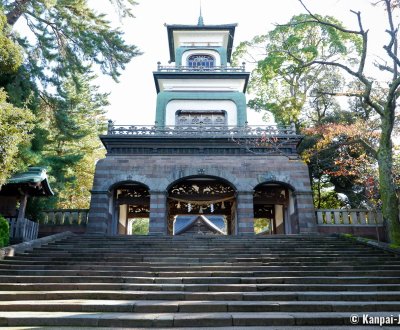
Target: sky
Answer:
[[133, 99]]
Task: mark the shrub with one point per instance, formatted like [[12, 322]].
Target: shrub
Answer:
[[4, 232]]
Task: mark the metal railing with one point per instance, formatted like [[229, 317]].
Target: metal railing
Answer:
[[201, 130], [183, 68]]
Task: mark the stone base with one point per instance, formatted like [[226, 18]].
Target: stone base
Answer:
[[243, 172]]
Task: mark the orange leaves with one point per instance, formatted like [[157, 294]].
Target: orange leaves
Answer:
[[351, 146]]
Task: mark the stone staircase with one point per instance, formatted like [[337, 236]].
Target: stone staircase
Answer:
[[132, 282]]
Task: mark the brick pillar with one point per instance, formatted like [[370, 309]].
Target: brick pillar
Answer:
[[305, 212], [245, 213], [158, 213], [99, 213]]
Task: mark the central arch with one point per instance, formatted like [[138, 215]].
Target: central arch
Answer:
[[207, 199]]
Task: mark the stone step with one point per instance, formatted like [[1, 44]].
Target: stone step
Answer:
[[215, 319], [184, 282], [253, 248], [181, 260], [197, 287], [198, 273], [15, 263], [201, 280], [176, 306], [198, 296], [200, 264]]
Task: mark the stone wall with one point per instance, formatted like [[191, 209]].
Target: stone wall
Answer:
[[159, 172]]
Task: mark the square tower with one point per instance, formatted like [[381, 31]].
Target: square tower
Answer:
[[201, 160]]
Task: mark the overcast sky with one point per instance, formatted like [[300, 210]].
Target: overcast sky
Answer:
[[133, 99]]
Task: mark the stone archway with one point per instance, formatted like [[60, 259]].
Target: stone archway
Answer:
[[273, 208], [131, 208], [207, 196]]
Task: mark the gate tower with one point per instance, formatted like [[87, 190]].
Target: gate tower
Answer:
[[201, 158]]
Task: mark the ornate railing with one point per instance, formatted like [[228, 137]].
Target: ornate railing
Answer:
[[64, 217], [201, 130], [351, 217], [182, 68], [23, 229]]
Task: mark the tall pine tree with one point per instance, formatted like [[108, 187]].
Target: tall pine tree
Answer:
[[64, 42]]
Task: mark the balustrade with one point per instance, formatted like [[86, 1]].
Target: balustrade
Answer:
[[202, 130], [350, 217], [183, 68], [64, 217]]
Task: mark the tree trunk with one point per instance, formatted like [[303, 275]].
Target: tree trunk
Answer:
[[17, 10], [387, 188]]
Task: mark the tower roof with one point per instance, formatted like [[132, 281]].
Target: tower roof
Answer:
[[175, 29]]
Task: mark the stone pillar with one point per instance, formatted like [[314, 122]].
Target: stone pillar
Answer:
[[245, 213], [158, 213], [99, 213], [305, 212]]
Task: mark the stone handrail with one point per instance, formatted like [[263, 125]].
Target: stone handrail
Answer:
[[352, 217], [64, 217], [202, 130], [10, 251]]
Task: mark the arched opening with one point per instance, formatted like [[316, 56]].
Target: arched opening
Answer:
[[201, 61], [131, 209], [273, 207], [201, 205]]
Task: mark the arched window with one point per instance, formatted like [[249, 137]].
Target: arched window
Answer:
[[201, 61]]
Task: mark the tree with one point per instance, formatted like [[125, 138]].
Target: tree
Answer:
[[293, 93], [69, 35], [15, 123], [72, 120], [382, 100], [66, 41], [279, 83]]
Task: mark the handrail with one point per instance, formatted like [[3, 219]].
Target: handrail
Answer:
[[184, 68], [64, 217], [355, 217], [201, 130]]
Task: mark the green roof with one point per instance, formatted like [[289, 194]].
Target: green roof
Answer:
[[35, 178], [34, 175]]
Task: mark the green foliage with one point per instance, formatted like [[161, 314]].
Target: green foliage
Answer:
[[287, 83], [72, 122], [10, 53], [283, 83], [66, 40], [68, 36], [140, 226], [261, 224], [4, 232], [15, 126]]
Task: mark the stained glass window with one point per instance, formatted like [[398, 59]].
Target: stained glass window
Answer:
[[201, 61]]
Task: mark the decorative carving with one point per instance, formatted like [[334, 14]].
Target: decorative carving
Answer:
[[271, 195], [202, 188], [132, 192]]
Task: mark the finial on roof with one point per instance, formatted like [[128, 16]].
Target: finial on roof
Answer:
[[201, 20]]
